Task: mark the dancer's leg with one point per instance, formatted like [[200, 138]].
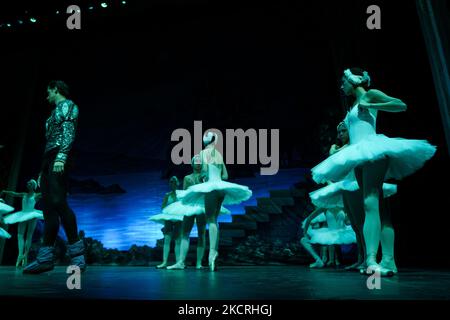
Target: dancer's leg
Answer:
[[31, 226], [324, 253], [387, 237], [201, 242], [354, 207], [331, 255], [168, 230], [186, 227], [370, 179], [308, 246], [21, 242], [177, 238], [213, 201]]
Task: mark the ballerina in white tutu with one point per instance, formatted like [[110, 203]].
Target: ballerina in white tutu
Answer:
[[346, 195], [191, 214], [172, 223], [214, 192], [4, 208], [373, 158], [27, 219]]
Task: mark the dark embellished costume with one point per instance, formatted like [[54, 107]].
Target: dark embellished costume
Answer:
[[61, 129]]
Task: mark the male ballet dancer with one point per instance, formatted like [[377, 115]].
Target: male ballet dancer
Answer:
[[60, 136]]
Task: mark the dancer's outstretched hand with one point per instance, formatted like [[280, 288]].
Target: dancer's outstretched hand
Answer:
[[58, 167]]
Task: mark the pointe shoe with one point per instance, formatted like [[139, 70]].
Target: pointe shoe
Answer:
[[162, 265], [379, 269], [317, 265], [199, 267], [25, 261], [177, 266], [388, 262], [212, 262]]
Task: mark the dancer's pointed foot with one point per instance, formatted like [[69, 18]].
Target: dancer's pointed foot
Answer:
[[383, 272], [162, 265], [19, 262], [318, 264], [25, 260], [388, 262], [356, 266], [212, 260], [177, 266], [199, 267]]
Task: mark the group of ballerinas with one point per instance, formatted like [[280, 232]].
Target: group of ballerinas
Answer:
[[26, 219], [200, 202], [356, 173]]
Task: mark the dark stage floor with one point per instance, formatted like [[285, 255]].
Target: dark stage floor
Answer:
[[236, 283]]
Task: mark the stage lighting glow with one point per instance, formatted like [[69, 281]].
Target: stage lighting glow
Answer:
[[104, 5], [91, 8], [20, 21], [57, 12], [124, 2], [33, 20], [8, 25]]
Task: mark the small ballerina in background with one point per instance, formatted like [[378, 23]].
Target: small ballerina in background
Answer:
[[26, 219], [172, 223]]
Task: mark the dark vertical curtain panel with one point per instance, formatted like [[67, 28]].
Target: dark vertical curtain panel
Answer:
[[435, 21]]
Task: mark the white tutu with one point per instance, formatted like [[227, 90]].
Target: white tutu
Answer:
[[319, 219], [22, 216], [234, 193], [180, 209], [336, 233], [4, 234], [163, 217], [330, 196], [405, 155], [4, 208], [326, 236]]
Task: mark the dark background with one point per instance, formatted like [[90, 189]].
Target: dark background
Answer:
[[138, 71]]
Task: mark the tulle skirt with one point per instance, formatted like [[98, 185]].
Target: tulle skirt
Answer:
[[4, 208], [180, 209], [330, 196], [234, 193], [4, 234], [405, 157], [22, 216], [326, 236]]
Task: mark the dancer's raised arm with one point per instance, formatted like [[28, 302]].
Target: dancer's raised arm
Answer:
[[378, 100]]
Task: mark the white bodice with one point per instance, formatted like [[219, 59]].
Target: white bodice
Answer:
[[28, 203], [214, 173], [360, 123]]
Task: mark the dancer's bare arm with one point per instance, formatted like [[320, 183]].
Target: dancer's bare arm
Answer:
[[13, 194], [313, 214], [378, 100], [165, 200]]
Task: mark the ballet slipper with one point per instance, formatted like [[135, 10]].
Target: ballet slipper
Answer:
[[317, 265], [19, 262], [162, 265], [212, 260], [388, 262], [177, 266]]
